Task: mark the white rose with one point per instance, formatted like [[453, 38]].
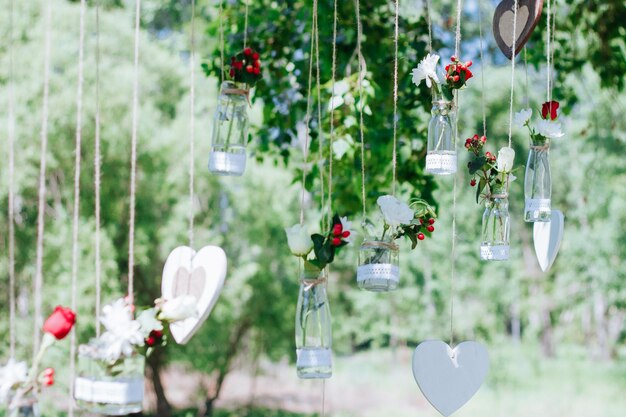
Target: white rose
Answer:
[[179, 308], [395, 211], [299, 240], [506, 156], [11, 375], [549, 128], [522, 117], [426, 70]]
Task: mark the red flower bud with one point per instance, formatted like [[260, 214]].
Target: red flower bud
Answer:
[[150, 341], [421, 236], [473, 182], [483, 139], [453, 58], [336, 241], [257, 64], [60, 322], [468, 64], [48, 381], [468, 145], [431, 221], [345, 234], [247, 51], [156, 333], [431, 228]]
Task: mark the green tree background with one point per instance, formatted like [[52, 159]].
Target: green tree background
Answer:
[[551, 336]]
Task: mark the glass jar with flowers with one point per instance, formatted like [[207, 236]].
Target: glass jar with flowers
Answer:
[[538, 179], [313, 320], [491, 176], [110, 372], [379, 262], [230, 124], [441, 152], [20, 387]]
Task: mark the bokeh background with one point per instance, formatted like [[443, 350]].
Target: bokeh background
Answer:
[[556, 340]]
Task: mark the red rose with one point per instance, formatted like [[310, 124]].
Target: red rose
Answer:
[[549, 108], [60, 322]]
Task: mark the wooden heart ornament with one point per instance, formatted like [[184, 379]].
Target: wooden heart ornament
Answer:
[[547, 237], [449, 377], [528, 15], [200, 274]]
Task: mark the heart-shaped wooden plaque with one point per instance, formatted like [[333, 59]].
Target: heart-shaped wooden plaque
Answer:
[[449, 377], [200, 274], [528, 15]]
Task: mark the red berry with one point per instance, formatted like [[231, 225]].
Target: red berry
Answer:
[[255, 56], [249, 68], [431, 228], [256, 71], [345, 234], [431, 221], [247, 51], [421, 236], [49, 380], [455, 78], [453, 58], [257, 64], [337, 229], [150, 341], [48, 372], [336, 241], [483, 139], [468, 145], [468, 64], [473, 182], [156, 333]]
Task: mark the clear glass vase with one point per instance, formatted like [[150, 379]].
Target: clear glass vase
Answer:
[[230, 131], [114, 389], [441, 152], [379, 266], [496, 228], [23, 405], [538, 183], [313, 328]]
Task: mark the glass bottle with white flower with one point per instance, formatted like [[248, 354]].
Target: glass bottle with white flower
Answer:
[[313, 321], [441, 152], [538, 179], [110, 371], [379, 262], [494, 175]]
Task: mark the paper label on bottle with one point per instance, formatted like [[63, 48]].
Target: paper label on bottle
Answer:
[[537, 204], [109, 392], [441, 164], [378, 271], [234, 163], [311, 358], [494, 253]]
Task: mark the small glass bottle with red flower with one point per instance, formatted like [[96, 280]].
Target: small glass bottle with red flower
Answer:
[[231, 122]]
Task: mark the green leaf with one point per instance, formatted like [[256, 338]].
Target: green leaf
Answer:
[[476, 163], [480, 188]]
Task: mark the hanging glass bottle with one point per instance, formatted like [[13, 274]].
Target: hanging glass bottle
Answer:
[[379, 268], [230, 131], [313, 327], [496, 227], [23, 406], [441, 152], [538, 183]]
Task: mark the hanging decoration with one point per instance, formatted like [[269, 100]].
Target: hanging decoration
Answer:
[[379, 263], [441, 158], [547, 237], [20, 387], [199, 275], [492, 188], [515, 19], [313, 325], [449, 377], [110, 373], [538, 180]]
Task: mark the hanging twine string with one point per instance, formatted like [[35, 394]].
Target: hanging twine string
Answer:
[[394, 159], [245, 25], [133, 157], [551, 69], [221, 24], [513, 46], [97, 165], [332, 118], [457, 51], [319, 121], [192, 119], [38, 284], [359, 31], [75, 221], [526, 99], [483, 66], [11, 213], [430, 30], [548, 56], [308, 114]]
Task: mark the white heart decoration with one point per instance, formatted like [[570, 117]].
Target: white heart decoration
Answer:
[[506, 24], [547, 237], [200, 274], [448, 377]]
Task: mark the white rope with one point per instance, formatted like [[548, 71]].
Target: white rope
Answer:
[[553, 50], [394, 159], [75, 221], [308, 114], [133, 157], [11, 214], [38, 283], [319, 119], [548, 56], [332, 118], [192, 119], [361, 125], [483, 66], [430, 30], [513, 46], [97, 175], [245, 25], [221, 24]]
